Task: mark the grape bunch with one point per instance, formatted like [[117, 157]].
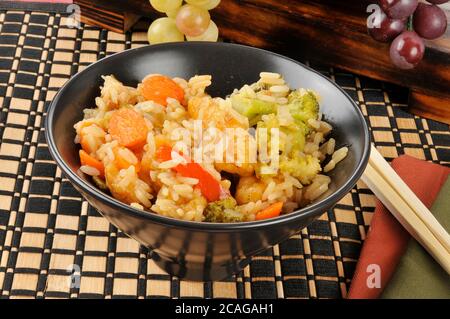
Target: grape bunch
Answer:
[[191, 20], [406, 23]]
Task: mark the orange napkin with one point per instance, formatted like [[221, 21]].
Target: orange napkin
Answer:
[[387, 239]]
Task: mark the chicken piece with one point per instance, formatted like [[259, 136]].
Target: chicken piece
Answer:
[[211, 110], [115, 95], [125, 185], [223, 116], [249, 189], [91, 136]]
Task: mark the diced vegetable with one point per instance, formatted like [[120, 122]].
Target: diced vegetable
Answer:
[[124, 158], [273, 210], [91, 136], [251, 107], [291, 138], [208, 185], [88, 160], [303, 105], [295, 138], [249, 189], [164, 153], [128, 127], [85, 145], [305, 168], [223, 211], [158, 88]]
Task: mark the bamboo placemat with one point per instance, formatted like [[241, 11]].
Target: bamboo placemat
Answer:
[[45, 226]]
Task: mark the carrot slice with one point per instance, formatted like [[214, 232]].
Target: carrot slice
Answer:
[[122, 159], [85, 137], [273, 210], [128, 127], [158, 88], [88, 160], [85, 145], [164, 153], [139, 152], [207, 184]]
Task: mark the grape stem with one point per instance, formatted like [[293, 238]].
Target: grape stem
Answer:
[[409, 24]]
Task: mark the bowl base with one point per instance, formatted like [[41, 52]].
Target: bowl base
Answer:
[[197, 271]]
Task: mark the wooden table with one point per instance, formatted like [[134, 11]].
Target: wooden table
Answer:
[[328, 31]]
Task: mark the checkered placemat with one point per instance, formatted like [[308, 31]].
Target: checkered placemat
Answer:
[[45, 226], [61, 6]]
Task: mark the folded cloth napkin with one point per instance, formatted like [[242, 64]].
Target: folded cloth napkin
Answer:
[[418, 275], [387, 240]]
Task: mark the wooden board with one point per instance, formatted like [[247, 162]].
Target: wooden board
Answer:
[[328, 31], [106, 16]]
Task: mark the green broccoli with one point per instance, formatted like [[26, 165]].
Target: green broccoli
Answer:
[[251, 107], [305, 168], [293, 137], [303, 105], [223, 211]]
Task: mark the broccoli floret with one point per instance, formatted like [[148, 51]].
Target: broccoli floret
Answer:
[[305, 168], [303, 105], [292, 138], [223, 211], [251, 107]]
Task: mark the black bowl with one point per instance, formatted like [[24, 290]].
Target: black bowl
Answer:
[[194, 250]]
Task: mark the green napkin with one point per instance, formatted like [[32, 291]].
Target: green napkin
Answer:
[[418, 275]]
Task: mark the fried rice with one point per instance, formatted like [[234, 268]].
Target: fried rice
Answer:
[[125, 159]]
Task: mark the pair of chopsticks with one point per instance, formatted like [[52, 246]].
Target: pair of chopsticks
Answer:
[[407, 208]]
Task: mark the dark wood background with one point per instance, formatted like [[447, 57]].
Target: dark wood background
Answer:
[[328, 31]]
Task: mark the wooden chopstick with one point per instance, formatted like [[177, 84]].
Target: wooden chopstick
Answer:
[[382, 166], [426, 233]]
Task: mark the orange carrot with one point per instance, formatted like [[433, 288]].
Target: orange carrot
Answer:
[[208, 185], [85, 145], [88, 160], [272, 211], [160, 140], [164, 153], [158, 88], [139, 152], [128, 127], [123, 162], [84, 137]]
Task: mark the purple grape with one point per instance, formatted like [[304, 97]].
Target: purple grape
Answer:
[[398, 9], [388, 29], [437, 1], [407, 50], [429, 21]]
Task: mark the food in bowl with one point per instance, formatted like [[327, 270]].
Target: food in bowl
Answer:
[[169, 148]]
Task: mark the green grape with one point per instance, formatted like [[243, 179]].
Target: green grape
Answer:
[[211, 34], [173, 13], [164, 30], [192, 20], [165, 5], [197, 3], [205, 4]]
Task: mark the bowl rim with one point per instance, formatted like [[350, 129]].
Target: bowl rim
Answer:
[[308, 211]]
